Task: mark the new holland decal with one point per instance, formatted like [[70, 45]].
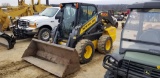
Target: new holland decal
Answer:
[[88, 25]]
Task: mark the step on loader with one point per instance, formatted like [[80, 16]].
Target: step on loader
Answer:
[[81, 31]]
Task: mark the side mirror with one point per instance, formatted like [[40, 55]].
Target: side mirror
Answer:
[[57, 17], [36, 13]]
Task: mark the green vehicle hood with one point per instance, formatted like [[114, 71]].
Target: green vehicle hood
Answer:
[[143, 58]]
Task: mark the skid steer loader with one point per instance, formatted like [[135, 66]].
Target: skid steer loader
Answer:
[[81, 31]]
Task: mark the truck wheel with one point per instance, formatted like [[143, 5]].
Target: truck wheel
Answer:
[[104, 44], [122, 25], [124, 19], [108, 75], [116, 25], [85, 49], [44, 34]]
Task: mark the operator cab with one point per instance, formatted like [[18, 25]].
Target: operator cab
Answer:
[[75, 14], [142, 30], [139, 53]]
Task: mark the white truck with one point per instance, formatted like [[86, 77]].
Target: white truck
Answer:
[[39, 25]]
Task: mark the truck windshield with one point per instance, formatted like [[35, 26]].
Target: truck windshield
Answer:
[[49, 12], [142, 31], [68, 20]]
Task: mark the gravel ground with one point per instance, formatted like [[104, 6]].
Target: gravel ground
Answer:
[[12, 66]]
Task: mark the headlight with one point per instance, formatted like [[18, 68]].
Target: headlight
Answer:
[[111, 60], [32, 24]]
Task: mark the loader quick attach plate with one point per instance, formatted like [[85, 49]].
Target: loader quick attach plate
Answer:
[[56, 59]]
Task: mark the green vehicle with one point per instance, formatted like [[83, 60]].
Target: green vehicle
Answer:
[[139, 53]]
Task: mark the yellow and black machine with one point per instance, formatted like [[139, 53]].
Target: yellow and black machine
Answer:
[[8, 18], [81, 31], [22, 9]]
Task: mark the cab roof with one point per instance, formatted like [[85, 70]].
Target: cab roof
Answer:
[[146, 5]]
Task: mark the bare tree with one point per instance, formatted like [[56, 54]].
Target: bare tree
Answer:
[[4, 5]]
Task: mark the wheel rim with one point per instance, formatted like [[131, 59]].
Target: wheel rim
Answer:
[[45, 35], [88, 52], [108, 44]]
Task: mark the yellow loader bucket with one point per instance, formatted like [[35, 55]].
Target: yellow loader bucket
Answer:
[[56, 59]]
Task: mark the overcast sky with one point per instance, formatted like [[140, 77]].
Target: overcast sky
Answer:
[[15, 2]]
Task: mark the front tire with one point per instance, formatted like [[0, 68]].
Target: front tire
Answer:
[[108, 75], [85, 49], [122, 25], [44, 34], [104, 44], [116, 25]]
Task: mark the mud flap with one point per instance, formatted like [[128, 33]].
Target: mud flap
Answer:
[[56, 59], [7, 41]]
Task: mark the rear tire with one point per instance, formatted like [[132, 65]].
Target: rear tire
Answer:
[[44, 34], [104, 44], [85, 49]]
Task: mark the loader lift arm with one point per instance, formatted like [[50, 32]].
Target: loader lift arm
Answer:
[[4, 20]]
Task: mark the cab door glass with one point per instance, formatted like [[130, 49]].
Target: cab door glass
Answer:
[[86, 13], [91, 11], [83, 14], [68, 20]]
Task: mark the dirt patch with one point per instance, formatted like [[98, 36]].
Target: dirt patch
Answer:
[[22, 69], [12, 68]]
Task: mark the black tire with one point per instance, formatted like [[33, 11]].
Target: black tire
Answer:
[[81, 49], [42, 31], [116, 25], [122, 25], [103, 43], [108, 75]]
